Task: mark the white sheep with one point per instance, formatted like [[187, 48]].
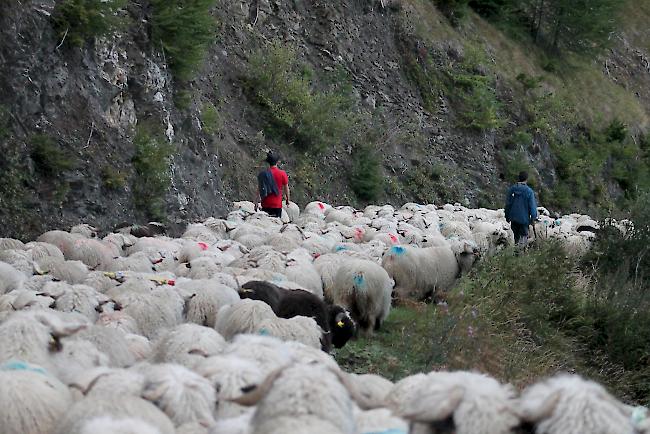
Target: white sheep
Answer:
[[418, 272], [568, 404], [111, 425], [10, 278], [31, 400], [364, 288], [476, 403], [11, 243], [110, 341], [188, 345], [205, 299], [298, 328], [293, 211], [183, 395], [244, 316], [301, 399]]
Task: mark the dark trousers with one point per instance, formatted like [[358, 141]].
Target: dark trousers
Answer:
[[520, 231], [273, 212]]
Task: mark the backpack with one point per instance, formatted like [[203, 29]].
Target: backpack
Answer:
[[266, 184]]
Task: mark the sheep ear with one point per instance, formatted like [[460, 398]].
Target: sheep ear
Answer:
[[534, 410], [362, 401], [58, 328], [153, 392], [253, 394]]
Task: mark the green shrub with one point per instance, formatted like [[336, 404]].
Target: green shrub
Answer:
[[478, 101], [184, 29], [210, 119], [112, 178], [4, 122], [366, 178], [454, 10], [80, 20], [152, 173], [183, 99], [49, 159], [310, 119]]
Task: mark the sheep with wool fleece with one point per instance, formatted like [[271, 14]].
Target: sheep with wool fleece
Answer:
[[64, 241], [10, 278], [205, 299], [89, 408], [317, 245], [301, 398], [568, 404], [380, 420], [374, 388], [21, 260], [110, 341], [292, 209], [364, 288], [371, 211], [187, 345], [110, 425], [299, 329], [85, 230], [32, 400], [233, 424], [199, 232], [72, 272], [155, 312], [181, 394], [100, 281], [219, 226], [118, 320], [11, 244], [418, 272], [327, 265], [242, 317], [90, 251], [77, 356], [139, 262], [118, 242], [229, 375], [23, 299], [306, 275], [343, 217], [201, 268], [316, 208], [79, 298], [139, 346], [31, 336], [455, 402], [39, 250], [489, 236], [245, 205], [152, 245], [267, 352]]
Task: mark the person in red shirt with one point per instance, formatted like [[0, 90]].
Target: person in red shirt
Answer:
[[272, 202]]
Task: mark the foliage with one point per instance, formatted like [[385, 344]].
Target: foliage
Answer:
[[49, 159], [183, 99], [557, 25], [112, 178], [151, 162], [366, 178], [281, 85], [184, 29], [454, 10], [80, 20], [478, 101], [210, 119], [4, 122]]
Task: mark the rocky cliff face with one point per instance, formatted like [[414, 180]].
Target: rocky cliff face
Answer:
[[89, 101]]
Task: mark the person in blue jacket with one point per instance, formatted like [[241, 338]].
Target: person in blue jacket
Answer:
[[521, 208]]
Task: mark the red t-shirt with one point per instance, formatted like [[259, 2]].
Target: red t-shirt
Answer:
[[281, 179]]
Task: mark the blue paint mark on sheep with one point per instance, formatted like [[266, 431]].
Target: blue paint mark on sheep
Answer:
[[15, 365], [341, 248], [358, 279], [397, 250], [263, 332]]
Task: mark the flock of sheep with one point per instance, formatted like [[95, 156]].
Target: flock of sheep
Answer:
[[228, 329]]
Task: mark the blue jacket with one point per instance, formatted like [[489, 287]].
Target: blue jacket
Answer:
[[520, 204], [266, 184]]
